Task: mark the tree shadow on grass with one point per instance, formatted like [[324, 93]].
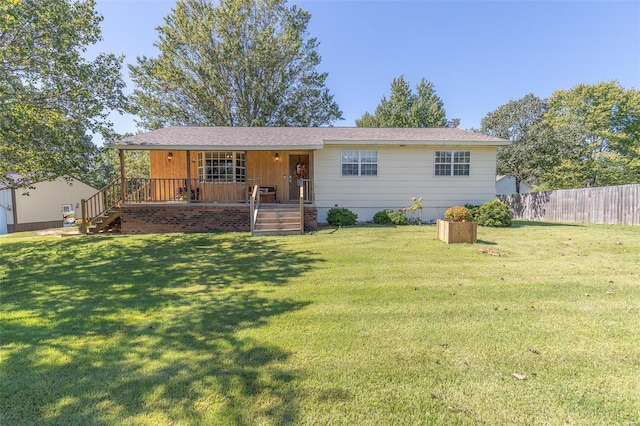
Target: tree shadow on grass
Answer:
[[145, 330]]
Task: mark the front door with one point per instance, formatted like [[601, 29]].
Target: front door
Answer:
[[298, 170]]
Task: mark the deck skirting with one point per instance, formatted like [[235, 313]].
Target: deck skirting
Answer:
[[185, 217]]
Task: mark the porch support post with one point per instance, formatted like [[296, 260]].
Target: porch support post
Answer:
[[302, 209], [83, 227], [123, 183], [189, 176]]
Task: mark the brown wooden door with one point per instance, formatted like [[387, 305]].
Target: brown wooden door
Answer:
[[298, 170]]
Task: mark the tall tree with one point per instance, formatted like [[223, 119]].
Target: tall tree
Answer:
[[51, 96], [407, 109], [535, 146], [240, 63], [106, 166], [606, 118]]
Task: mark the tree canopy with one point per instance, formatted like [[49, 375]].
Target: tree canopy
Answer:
[[535, 147], [240, 63], [405, 108], [51, 96], [106, 165], [606, 119], [585, 136]]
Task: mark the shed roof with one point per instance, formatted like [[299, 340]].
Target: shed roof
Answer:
[[264, 138]]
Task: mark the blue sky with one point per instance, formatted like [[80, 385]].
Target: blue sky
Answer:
[[478, 54]]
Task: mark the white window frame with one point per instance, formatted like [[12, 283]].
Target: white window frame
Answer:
[[222, 166], [452, 163], [362, 163]]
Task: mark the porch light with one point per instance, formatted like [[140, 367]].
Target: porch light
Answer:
[[277, 157], [169, 156]]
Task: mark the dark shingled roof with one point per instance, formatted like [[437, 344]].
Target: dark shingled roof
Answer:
[[256, 138]]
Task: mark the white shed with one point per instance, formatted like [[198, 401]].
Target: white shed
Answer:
[[506, 185], [42, 207]]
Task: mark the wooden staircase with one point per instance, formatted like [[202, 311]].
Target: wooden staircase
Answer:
[[274, 219], [109, 221], [101, 212]]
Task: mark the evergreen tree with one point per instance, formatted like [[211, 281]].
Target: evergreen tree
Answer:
[[407, 109]]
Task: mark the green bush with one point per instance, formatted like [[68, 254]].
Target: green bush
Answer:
[[340, 216], [458, 214], [390, 217], [494, 213], [474, 211]]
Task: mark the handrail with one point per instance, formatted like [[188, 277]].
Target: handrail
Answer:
[[101, 202], [254, 202]]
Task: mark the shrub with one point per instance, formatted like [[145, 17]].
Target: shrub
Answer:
[[416, 206], [474, 211], [340, 216], [458, 214], [494, 213], [390, 217]]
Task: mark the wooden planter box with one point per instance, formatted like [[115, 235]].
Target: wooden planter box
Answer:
[[457, 232]]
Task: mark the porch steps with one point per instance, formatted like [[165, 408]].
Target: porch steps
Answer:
[[277, 220], [109, 221]]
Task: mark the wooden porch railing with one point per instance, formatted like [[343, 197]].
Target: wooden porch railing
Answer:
[[163, 190], [307, 185], [145, 190]]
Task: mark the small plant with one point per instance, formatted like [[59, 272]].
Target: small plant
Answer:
[[390, 217], [494, 213], [416, 206], [458, 214], [474, 211], [340, 216]]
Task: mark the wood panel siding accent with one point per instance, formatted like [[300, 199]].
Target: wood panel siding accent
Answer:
[[161, 167], [222, 192], [269, 172], [261, 168]]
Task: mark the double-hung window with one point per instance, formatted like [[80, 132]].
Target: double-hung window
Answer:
[[359, 163], [452, 163], [222, 166]]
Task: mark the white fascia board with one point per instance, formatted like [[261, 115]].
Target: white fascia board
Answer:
[[217, 147], [417, 143]]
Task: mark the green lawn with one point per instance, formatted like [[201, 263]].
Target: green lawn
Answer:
[[363, 325]]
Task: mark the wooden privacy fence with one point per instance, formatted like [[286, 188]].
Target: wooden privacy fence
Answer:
[[606, 205]]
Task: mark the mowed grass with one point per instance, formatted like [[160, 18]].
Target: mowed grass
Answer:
[[363, 325]]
